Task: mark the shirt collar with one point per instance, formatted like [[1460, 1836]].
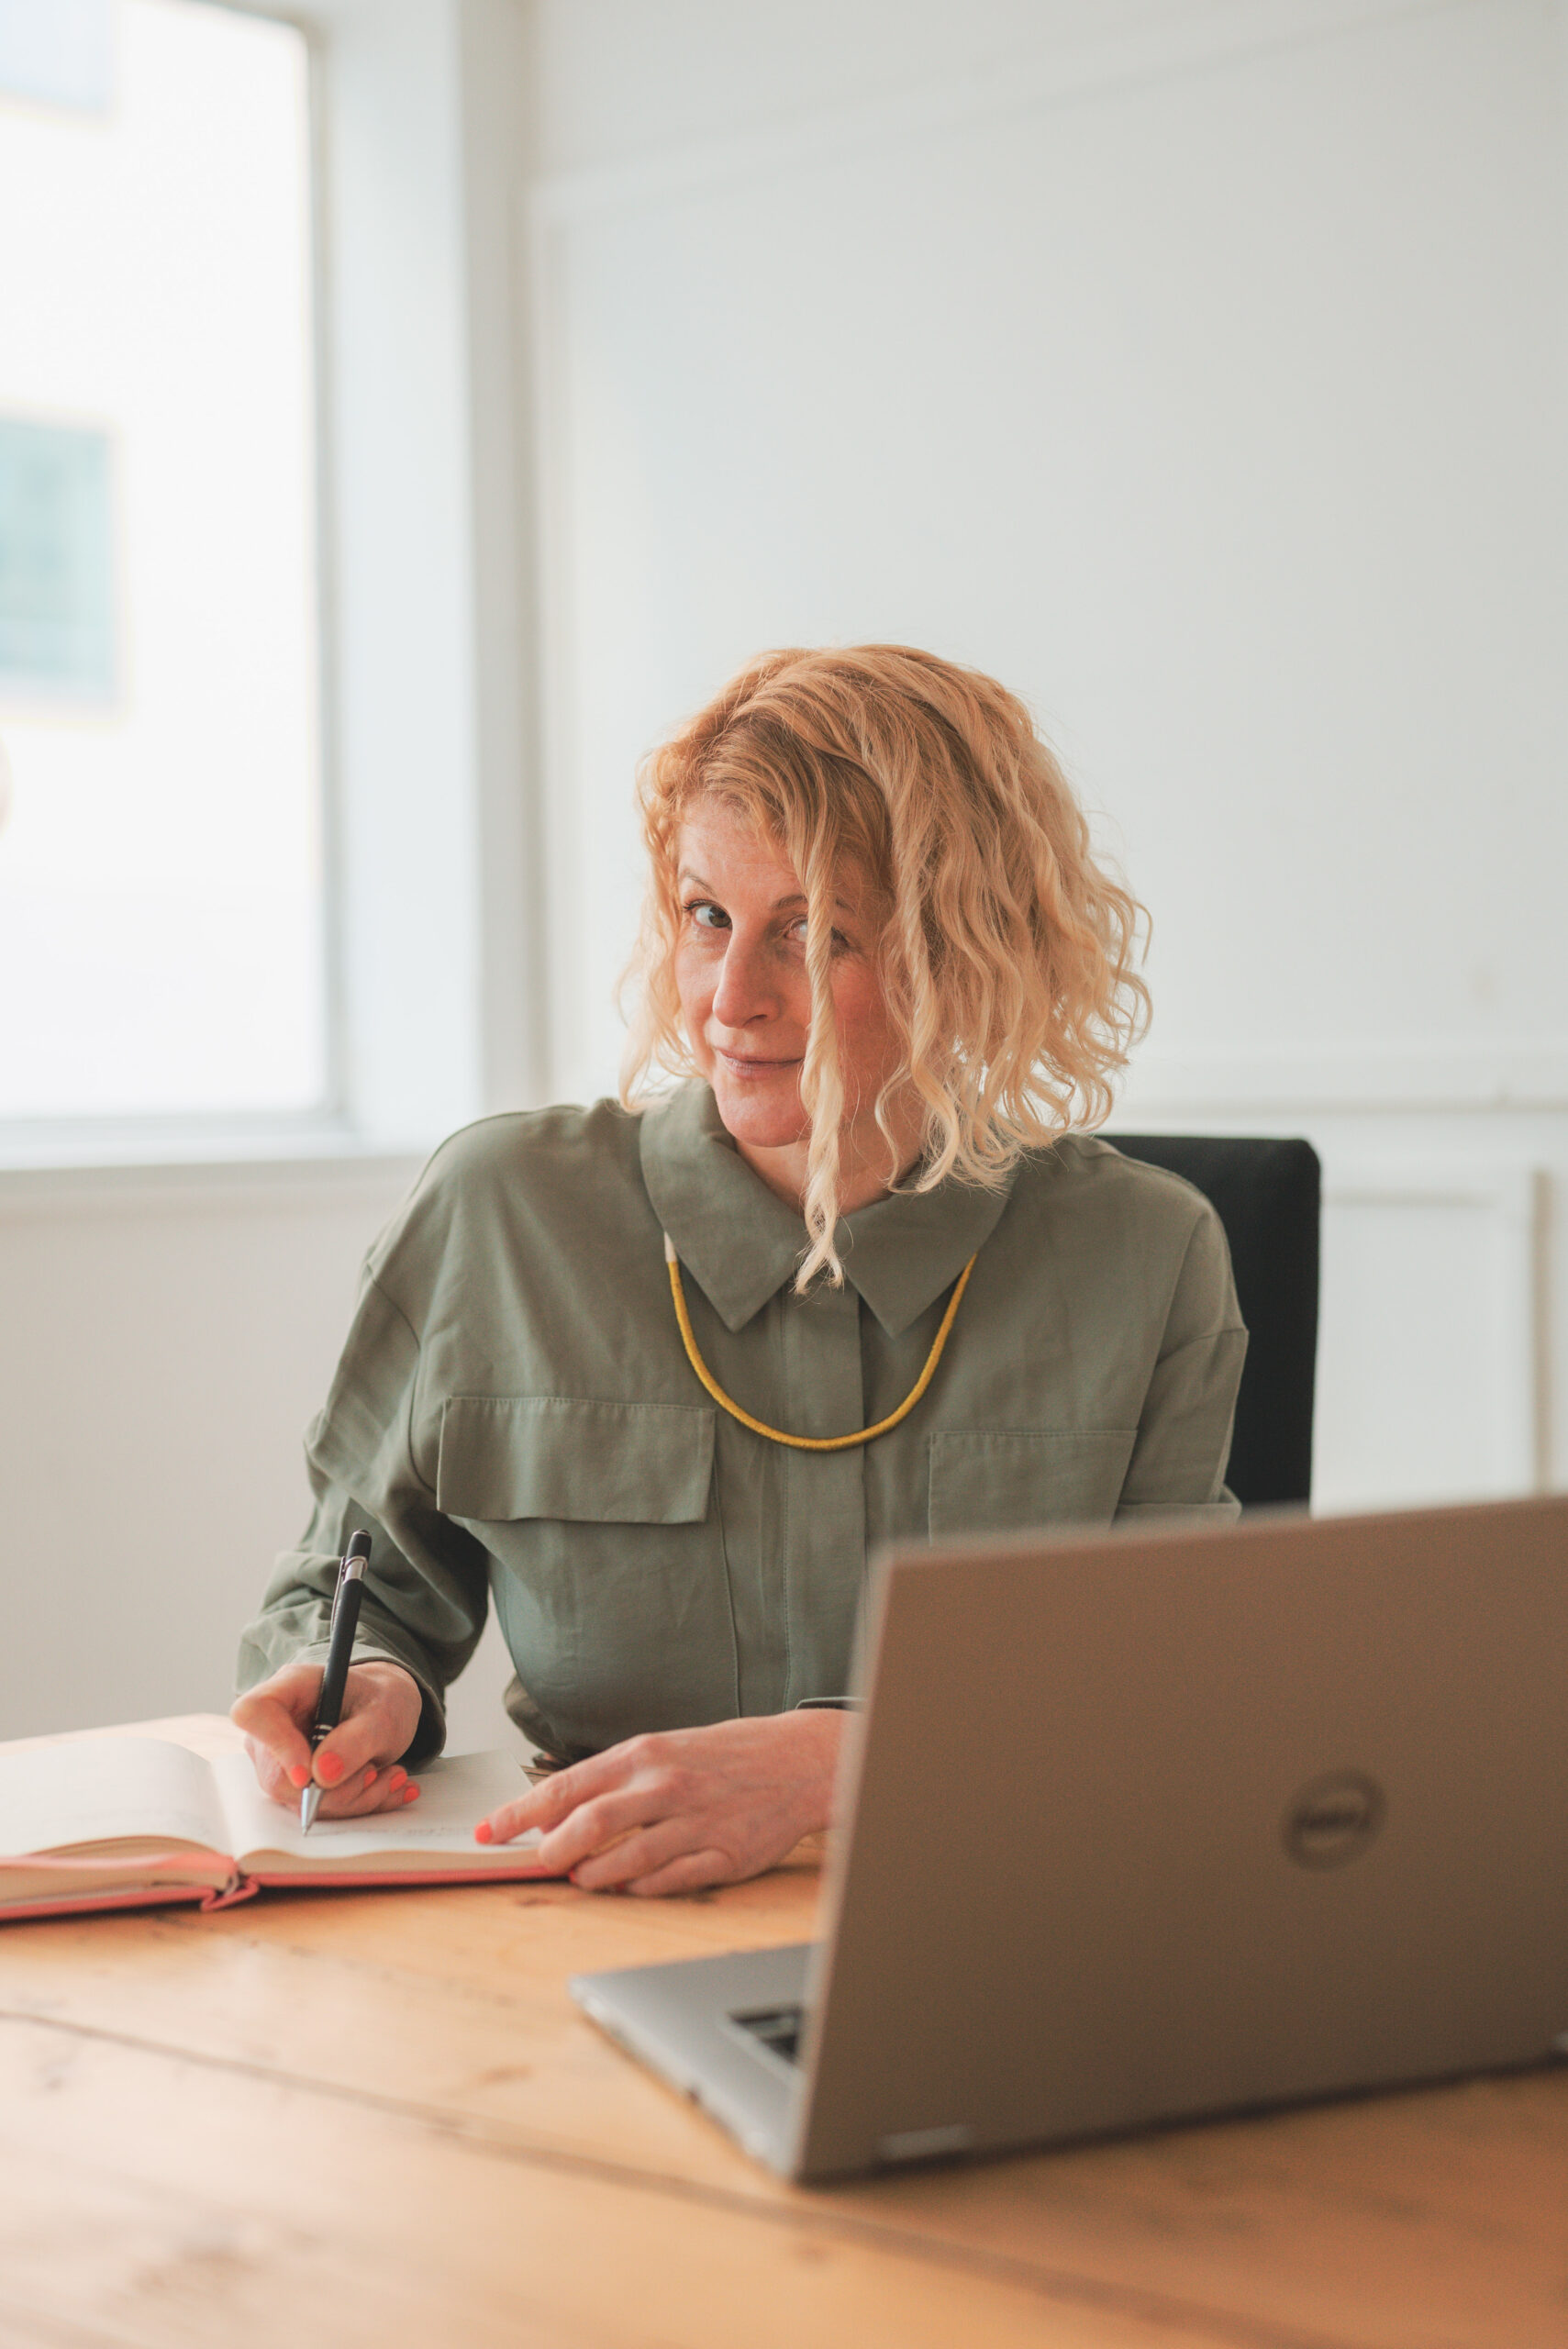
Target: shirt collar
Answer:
[[741, 1242]]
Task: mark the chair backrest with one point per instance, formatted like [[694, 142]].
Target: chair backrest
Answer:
[[1267, 1195]]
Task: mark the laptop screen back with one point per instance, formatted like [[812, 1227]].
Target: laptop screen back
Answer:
[[1155, 1825]]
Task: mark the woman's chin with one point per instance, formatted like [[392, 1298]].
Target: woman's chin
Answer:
[[758, 1123]]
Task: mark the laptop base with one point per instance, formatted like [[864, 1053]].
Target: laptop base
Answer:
[[685, 2021]]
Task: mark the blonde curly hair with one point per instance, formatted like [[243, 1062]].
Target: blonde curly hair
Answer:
[[1005, 954]]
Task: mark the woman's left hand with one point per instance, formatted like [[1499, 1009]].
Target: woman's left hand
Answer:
[[680, 1808]]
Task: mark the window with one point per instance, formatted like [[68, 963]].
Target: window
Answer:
[[161, 919]]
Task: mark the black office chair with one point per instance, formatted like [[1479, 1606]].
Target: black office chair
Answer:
[[1267, 1195]]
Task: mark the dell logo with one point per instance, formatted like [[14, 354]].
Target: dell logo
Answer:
[[1333, 1818]]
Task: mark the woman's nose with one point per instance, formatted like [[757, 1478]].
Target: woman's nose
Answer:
[[743, 994]]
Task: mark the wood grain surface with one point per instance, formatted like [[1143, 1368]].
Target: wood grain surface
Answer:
[[379, 2116]]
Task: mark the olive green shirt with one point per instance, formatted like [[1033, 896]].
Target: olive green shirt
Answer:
[[514, 1414]]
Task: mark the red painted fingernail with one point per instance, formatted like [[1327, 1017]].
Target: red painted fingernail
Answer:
[[299, 1776], [370, 1778], [397, 1778], [329, 1769], [410, 1794], [483, 1833]]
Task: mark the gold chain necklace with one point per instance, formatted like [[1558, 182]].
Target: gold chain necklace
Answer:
[[808, 1442]]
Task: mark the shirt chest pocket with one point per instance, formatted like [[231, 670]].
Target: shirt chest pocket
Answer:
[[609, 1572], [1004, 1480], [507, 1457]]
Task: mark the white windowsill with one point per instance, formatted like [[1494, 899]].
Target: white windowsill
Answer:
[[51, 1166]]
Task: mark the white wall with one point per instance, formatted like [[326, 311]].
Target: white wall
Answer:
[[1199, 371], [168, 1335]]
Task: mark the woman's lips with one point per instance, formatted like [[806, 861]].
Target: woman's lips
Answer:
[[750, 1064]]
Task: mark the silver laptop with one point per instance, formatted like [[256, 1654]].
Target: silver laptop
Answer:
[[1144, 1826]]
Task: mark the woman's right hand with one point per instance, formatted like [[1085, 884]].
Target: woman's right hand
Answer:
[[358, 1766]]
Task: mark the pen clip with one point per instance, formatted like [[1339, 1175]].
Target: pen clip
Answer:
[[350, 1567]]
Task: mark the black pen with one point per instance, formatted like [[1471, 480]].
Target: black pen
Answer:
[[340, 1649]]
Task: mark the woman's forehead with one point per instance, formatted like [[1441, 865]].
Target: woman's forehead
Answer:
[[721, 846], [721, 833]]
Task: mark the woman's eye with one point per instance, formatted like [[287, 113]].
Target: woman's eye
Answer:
[[796, 934], [708, 915]]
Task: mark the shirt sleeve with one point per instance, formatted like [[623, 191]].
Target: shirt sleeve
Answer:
[[1177, 1469], [427, 1588]]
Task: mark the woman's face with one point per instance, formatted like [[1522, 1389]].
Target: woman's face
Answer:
[[746, 1002]]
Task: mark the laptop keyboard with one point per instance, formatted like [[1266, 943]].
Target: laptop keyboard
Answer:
[[778, 2027]]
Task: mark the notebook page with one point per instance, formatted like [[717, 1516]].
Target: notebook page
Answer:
[[98, 1790], [456, 1793]]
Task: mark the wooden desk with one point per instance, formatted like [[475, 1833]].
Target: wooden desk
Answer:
[[378, 2117]]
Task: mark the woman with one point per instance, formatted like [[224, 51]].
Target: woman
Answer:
[[878, 949]]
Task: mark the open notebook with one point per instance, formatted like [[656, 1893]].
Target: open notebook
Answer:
[[118, 1822]]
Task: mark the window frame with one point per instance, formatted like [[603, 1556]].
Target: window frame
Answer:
[[420, 142]]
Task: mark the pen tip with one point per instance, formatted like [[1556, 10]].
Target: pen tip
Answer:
[[309, 1803]]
